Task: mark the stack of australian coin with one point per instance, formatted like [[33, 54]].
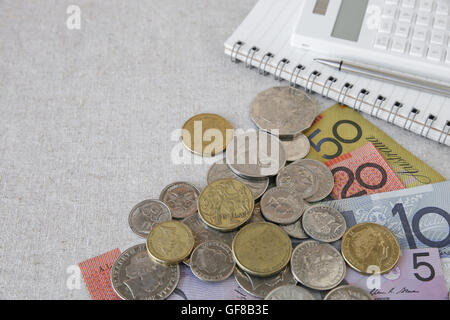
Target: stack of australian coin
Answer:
[[258, 218]]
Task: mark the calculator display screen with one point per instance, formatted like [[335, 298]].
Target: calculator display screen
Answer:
[[349, 20]]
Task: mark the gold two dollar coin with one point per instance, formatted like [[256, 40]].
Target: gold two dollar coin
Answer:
[[207, 134], [262, 249], [225, 204], [170, 242], [370, 248]]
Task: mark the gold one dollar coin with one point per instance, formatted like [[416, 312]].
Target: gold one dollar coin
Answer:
[[170, 242], [262, 249], [225, 204], [207, 134], [370, 248]]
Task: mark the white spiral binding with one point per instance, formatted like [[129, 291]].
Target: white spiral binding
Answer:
[[343, 94]]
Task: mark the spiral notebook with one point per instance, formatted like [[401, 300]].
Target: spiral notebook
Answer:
[[262, 42]]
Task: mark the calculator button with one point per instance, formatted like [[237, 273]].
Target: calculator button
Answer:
[[435, 53], [408, 3], [420, 33], [426, 5], [437, 37], [423, 19], [402, 30], [398, 45], [406, 15], [417, 49], [386, 26], [442, 8], [382, 42], [389, 12], [440, 22]]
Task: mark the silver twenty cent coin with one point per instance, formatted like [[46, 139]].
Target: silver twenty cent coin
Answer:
[[282, 205], [135, 276], [296, 149], [212, 261], [261, 286], [317, 265], [146, 214], [299, 178], [348, 293], [290, 292], [181, 198], [255, 155], [324, 223], [324, 177], [221, 170], [289, 110]]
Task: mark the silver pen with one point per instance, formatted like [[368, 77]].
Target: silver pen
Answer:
[[394, 77]]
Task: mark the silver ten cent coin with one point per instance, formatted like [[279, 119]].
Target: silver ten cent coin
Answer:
[[298, 178], [181, 198], [212, 261], [282, 205], [146, 214], [324, 223]]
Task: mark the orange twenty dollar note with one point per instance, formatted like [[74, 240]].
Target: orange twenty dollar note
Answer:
[[340, 129], [360, 172], [96, 274]]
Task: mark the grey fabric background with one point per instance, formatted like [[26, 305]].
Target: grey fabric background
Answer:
[[86, 119]]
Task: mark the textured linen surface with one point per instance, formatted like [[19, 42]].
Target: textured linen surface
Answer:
[[87, 119]]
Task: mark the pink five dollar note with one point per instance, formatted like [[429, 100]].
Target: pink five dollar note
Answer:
[[97, 275], [417, 276], [361, 172]]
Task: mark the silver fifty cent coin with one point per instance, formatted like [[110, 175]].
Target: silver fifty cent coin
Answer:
[[261, 286], [181, 198], [282, 205], [289, 110], [212, 261], [255, 155], [221, 170], [299, 178], [290, 292], [146, 214], [296, 149], [324, 223], [317, 265], [348, 293], [135, 276], [324, 177]]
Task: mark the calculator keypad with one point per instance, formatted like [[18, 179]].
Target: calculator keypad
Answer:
[[416, 28]]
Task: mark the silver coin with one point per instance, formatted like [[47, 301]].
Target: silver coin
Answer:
[[204, 233], [220, 170], [212, 261], [296, 149], [324, 177], [289, 110], [181, 198], [135, 276], [290, 292], [298, 177], [261, 286], [317, 265], [146, 214], [282, 205], [348, 293], [324, 223], [255, 155], [295, 230]]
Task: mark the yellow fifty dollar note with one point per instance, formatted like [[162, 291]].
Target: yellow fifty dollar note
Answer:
[[340, 130]]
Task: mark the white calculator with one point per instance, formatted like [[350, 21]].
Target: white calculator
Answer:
[[409, 36]]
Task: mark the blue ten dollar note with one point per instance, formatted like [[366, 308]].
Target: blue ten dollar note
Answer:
[[419, 217]]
